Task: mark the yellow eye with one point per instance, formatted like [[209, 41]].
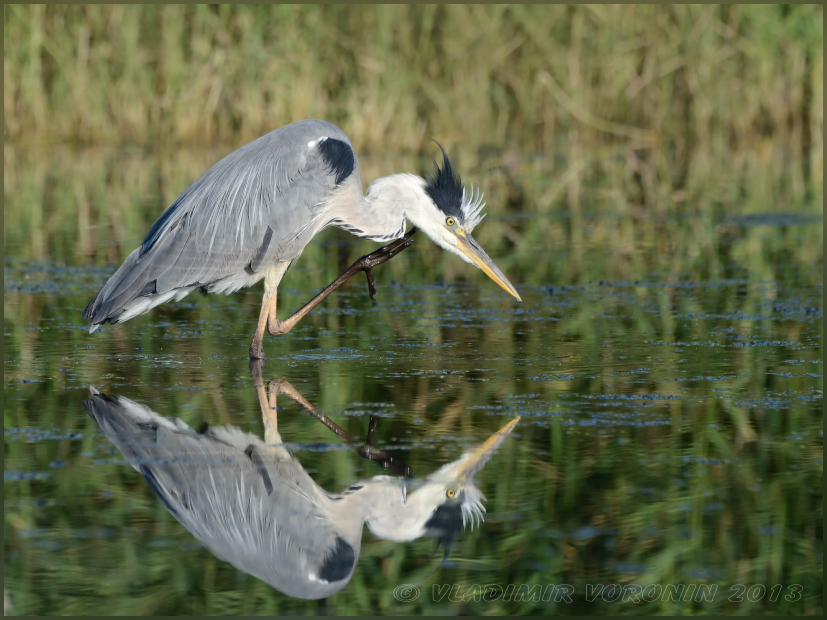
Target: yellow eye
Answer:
[[450, 221], [450, 492]]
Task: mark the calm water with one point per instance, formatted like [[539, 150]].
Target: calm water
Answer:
[[668, 371]]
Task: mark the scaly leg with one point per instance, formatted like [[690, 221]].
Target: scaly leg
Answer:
[[268, 308], [366, 264], [257, 348]]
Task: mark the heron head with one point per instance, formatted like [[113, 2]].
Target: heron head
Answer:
[[448, 215], [457, 501]]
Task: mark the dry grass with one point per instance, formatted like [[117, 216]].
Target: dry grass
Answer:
[[682, 77], [639, 109]]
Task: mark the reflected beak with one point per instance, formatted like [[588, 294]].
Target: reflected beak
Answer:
[[477, 255], [479, 456]]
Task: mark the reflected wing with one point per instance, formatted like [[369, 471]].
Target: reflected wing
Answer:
[[250, 505], [253, 208]]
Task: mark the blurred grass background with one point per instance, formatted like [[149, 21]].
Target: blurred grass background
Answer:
[[683, 92]]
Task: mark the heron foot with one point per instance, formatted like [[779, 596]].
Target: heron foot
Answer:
[[383, 254], [371, 283], [257, 350]]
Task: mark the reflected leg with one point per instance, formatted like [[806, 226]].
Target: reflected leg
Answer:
[[366, 264], [365, 450], [282, 386], [267, 404]]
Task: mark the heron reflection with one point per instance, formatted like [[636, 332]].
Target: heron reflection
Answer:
[[251, 503]]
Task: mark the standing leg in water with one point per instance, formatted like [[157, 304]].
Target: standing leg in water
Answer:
[[267, 315]]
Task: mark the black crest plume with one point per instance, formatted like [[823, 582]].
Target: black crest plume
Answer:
[[445, 187]]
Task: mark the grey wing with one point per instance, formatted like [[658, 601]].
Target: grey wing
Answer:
[[245, 504], [256, 206]]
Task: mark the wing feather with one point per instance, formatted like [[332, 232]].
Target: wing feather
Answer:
[[216, 228]]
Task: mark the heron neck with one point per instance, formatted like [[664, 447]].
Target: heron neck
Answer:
[[388, 512], [381, 214]]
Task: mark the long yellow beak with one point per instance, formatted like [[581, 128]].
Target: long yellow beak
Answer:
[[480, 455], [473, 251]]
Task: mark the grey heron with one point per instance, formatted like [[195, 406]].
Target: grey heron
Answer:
[[250, 216], [252, 504]]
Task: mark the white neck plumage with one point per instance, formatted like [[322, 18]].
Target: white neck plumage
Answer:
[[392, 513], [382, 214]]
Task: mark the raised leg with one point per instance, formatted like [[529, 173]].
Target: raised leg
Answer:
[[366, 264], [272, 319]]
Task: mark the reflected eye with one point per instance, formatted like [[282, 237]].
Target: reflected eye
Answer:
[[450, 493], [450, 221]]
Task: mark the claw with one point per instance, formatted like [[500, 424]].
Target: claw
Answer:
[[371, 430], [371, 283]]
